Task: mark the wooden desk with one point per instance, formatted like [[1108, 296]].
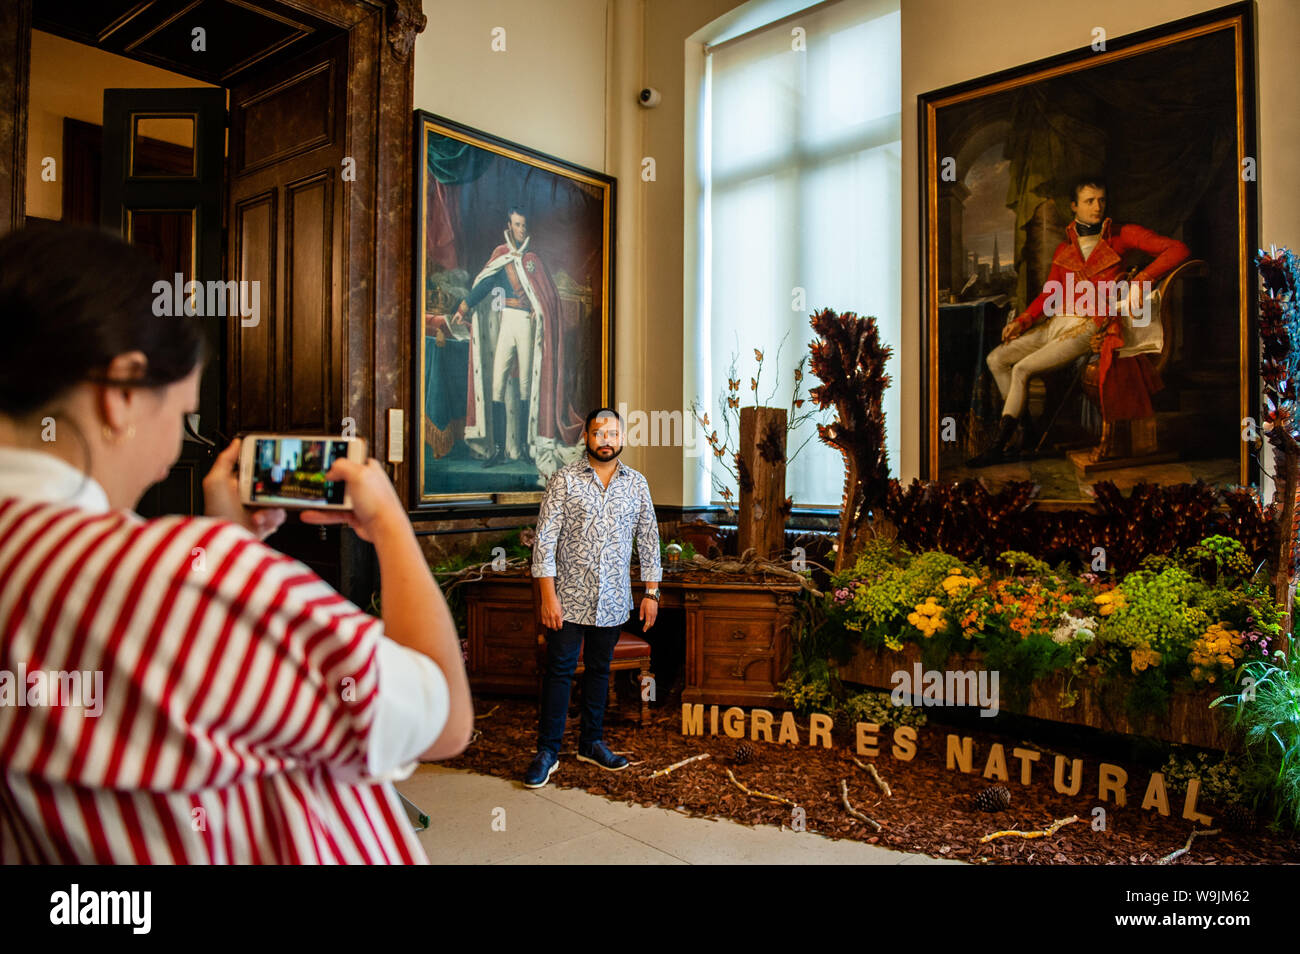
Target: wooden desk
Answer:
[[738, 637]]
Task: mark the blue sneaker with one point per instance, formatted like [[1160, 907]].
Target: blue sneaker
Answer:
[[598, 753], [541, 768]]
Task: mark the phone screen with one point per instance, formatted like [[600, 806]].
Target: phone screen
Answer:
[[291, 470]]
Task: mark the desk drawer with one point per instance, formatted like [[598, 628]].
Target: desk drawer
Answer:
[[509, 625], [512, 659], [740, 671], [737, 634]]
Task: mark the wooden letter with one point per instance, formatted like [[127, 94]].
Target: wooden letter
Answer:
[[819, 727], [960, 753], [789, 731], [1027, 759], [713, 720], [760, 720], [904, 743], [692, 719], [996, 766], [1156, 795], [733, 722], [1189, 804], [1076, 776], [1111, 780], [868, 739]]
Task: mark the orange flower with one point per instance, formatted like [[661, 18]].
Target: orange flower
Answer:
[[758, 355]]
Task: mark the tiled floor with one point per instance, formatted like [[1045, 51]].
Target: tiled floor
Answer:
[[480, 819]]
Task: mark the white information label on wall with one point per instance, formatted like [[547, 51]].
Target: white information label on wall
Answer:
[[396, 432]]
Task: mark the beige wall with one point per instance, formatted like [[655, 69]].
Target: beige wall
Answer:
[[545, 90], [946, 43], [567, 85], [68, 80]]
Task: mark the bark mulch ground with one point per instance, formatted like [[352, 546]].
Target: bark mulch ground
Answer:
[[930, 810]]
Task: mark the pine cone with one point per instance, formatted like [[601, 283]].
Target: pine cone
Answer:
[[744, 754], [1238, 818], [996, 798]]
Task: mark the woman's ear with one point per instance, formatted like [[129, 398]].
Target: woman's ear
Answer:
[[115, 400]]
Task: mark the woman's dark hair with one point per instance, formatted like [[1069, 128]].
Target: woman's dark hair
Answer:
[[71, 300]]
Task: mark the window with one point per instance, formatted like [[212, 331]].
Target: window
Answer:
[[799, 165]]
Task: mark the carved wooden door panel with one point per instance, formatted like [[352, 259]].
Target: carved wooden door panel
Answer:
[[287, 190]]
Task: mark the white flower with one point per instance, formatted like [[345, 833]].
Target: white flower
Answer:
[[1074, 627]]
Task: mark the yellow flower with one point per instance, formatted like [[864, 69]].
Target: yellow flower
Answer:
[[1142, 657]]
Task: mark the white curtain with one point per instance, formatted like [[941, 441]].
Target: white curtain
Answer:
[[801, 142]]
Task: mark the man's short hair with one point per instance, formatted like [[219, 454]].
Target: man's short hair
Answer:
[[516, 210], [602, 412], [1097, 182]]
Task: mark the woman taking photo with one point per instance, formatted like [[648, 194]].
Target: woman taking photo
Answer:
[[248, 712]]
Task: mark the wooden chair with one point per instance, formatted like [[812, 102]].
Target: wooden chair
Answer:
[[630, 652], [1140, 445], [1142, 442]]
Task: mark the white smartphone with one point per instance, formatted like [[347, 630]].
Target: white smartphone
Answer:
[[288, 470]]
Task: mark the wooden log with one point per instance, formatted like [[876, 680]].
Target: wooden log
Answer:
[[761, 469]]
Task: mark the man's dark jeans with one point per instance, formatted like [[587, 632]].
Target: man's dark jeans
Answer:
[[562, 647]]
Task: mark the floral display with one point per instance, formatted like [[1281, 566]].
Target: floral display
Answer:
[[1189, 619]]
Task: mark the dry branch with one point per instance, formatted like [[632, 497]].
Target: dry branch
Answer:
[[870, 769], [758, 794], [1183, 850], [677, 765], [1047, 832], [844, 794]]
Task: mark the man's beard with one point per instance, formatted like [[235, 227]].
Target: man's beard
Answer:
[[594, 452]]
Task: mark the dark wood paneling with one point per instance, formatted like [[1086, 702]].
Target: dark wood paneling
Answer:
[[83, 151], [252, 379], [309, 227], [15, 60], [287, 119], [287, 134], [238, 34]]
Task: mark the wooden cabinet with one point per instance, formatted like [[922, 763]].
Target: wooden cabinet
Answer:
[[738, 638], [502, 636]]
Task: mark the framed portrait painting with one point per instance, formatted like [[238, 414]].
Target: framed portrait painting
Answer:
[[514, 298], [1088, 225]]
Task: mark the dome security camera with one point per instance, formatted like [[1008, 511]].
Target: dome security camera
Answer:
[[649, 97]]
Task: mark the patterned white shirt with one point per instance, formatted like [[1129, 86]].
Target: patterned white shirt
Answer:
[[584, 540]]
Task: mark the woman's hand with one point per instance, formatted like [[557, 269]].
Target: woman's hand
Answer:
[[375, 504], [221, 497]]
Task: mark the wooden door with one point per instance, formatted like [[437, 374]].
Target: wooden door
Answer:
[[286, 213], [163, 164], [286, 232]]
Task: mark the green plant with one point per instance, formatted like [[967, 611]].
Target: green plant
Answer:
[[875, 706], [1266, 712], [687, 550], [1179, 620], [1220, 773]]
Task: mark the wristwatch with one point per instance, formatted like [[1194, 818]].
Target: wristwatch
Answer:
[[652, 594]]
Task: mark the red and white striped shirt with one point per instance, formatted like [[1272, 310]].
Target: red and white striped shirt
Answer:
[[250, 714]]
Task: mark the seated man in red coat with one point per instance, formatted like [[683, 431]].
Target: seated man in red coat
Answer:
[[1083, 306]]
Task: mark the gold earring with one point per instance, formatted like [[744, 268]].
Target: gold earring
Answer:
[[112, 437]]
